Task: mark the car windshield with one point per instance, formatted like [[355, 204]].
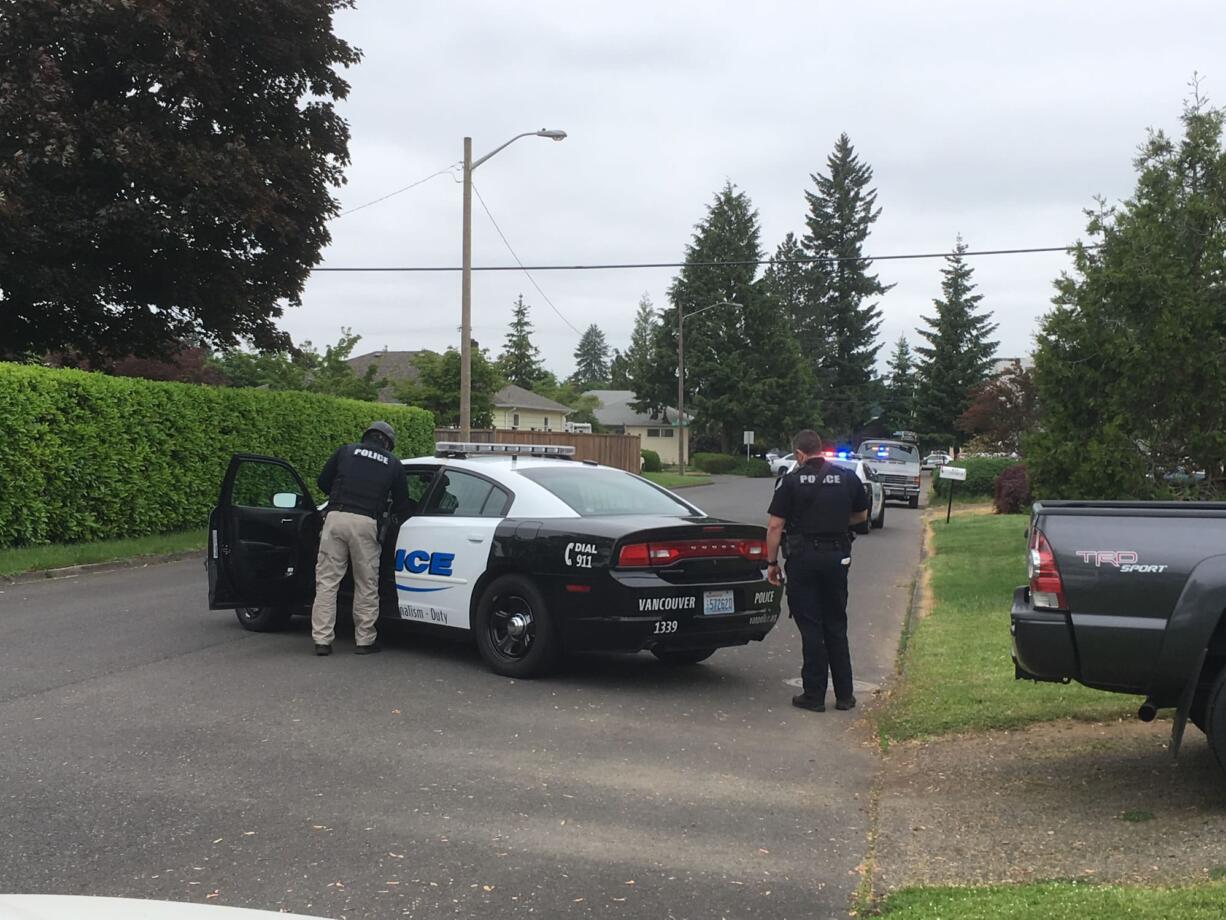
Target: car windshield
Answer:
[[907, 453], [592, 492]]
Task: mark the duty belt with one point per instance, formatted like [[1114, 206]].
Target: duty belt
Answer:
[[353, 510], [825, 541]]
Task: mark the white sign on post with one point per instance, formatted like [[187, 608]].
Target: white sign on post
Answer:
[[953, 472], [747, 438]]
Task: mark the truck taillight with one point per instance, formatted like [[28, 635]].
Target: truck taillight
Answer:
[[1046, 588]]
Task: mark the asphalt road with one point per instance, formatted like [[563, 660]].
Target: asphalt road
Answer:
[[154, 749]]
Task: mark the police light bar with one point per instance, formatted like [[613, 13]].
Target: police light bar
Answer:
[[443, 448]]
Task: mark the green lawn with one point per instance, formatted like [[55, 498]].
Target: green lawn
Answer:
[[1058, 901], [673, 480], [37, 558], [957, 673]]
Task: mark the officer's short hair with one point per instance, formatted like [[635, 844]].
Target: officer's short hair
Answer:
[[807, 442]]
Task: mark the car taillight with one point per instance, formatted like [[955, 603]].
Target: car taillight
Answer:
[[668, 552], [1046, 588]]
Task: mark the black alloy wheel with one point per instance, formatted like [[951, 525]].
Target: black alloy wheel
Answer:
[[263, 619], [515, 632]]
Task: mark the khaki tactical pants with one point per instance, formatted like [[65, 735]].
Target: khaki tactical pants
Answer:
[[346, 538]]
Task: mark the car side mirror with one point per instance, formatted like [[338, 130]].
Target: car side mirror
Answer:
[[285, 500]]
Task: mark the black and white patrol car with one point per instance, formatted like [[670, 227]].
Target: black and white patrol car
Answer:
[[531, 552]]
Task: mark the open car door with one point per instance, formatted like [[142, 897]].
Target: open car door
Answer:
[[263, 536]]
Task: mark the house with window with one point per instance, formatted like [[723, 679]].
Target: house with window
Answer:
[[517, 409], [660, 433]]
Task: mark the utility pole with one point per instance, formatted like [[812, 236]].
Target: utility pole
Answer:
[[466, 274], [466, 299]]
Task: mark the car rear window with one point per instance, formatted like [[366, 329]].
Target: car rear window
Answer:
[[594, 492], [873, 449]]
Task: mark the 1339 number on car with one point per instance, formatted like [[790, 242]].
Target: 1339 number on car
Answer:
[[665, 626]]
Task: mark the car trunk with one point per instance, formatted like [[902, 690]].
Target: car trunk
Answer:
[[701, 552]]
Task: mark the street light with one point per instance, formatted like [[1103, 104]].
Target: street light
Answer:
[[681, 318], [466, 370]]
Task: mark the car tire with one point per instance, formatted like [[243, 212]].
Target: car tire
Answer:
[[515, 633], [879, 520], [682, 656], [913, 501], [263, 619], [1215, 718]]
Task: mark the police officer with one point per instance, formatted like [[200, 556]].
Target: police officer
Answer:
[[358, 478], [816, 503]]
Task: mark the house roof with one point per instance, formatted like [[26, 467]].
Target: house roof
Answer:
[[393, 366], [615, 409], [515, 397]]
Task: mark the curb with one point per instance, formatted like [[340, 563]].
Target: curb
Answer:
[[91, 568]]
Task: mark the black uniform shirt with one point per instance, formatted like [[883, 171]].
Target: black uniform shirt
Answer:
[[359, 478], [818, 499]]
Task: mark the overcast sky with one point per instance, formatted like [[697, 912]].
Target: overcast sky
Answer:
[[999, 122]]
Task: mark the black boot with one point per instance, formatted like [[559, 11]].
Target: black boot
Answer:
[[849, 703], [323, 650], [809, 701], [368, 649]]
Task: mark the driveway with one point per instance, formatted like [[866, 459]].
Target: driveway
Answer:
[[154, 749]]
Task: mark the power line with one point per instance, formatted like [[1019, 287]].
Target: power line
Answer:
[[608, 266], [519, 261], [446, 171]]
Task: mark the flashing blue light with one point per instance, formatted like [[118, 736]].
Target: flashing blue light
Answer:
[[842, 455]]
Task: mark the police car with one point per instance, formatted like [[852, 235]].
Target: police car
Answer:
[[530, 552]]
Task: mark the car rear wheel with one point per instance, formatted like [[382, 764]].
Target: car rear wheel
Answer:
[[515, 633], [681, 656], [879, 520], [263, 619]]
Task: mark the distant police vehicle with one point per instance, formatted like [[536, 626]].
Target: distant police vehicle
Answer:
[[897, 465], [872, 485], [531, 552]]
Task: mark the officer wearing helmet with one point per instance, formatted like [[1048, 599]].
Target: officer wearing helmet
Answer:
[[358, 480]]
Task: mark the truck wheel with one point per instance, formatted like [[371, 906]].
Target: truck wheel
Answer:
[[515, 633], [1215, 718], [681, 656], [913, 501], [879, 520], [263, 619]]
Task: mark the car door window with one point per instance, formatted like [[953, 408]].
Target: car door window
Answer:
[[459, 495], [267, 485]]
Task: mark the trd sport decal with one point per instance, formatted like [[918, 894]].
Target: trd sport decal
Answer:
[[1123, 559]]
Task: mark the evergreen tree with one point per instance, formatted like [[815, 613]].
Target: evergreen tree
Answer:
[[639, 355], [591, 359], [743, 368], [1128, 366], [959, 352], [520, 361], [791, 283], [842, 210], [899, 408], [619, 371]]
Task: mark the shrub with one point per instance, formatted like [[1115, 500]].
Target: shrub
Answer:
[[756, 468], [715, 463], [1012, 490], [651, 461], [89, 457], [981, 473]]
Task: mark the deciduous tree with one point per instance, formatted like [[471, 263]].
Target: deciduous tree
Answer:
[[437, 387], [166, 169]]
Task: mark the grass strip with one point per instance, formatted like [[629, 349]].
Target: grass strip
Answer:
[[957, 670], [676, 480], [1057, 901], [54, 556]]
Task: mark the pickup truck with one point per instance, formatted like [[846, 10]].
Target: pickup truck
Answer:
[[897, 465], [1129, 597]]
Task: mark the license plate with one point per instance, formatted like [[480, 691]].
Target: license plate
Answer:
[[714, 602]]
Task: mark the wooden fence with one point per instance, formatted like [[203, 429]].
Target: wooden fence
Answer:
[[616, 450]]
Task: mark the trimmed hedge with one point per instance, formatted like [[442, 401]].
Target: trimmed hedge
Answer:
[[981, 473], [651, 461], [714, 463], [88, 457]]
